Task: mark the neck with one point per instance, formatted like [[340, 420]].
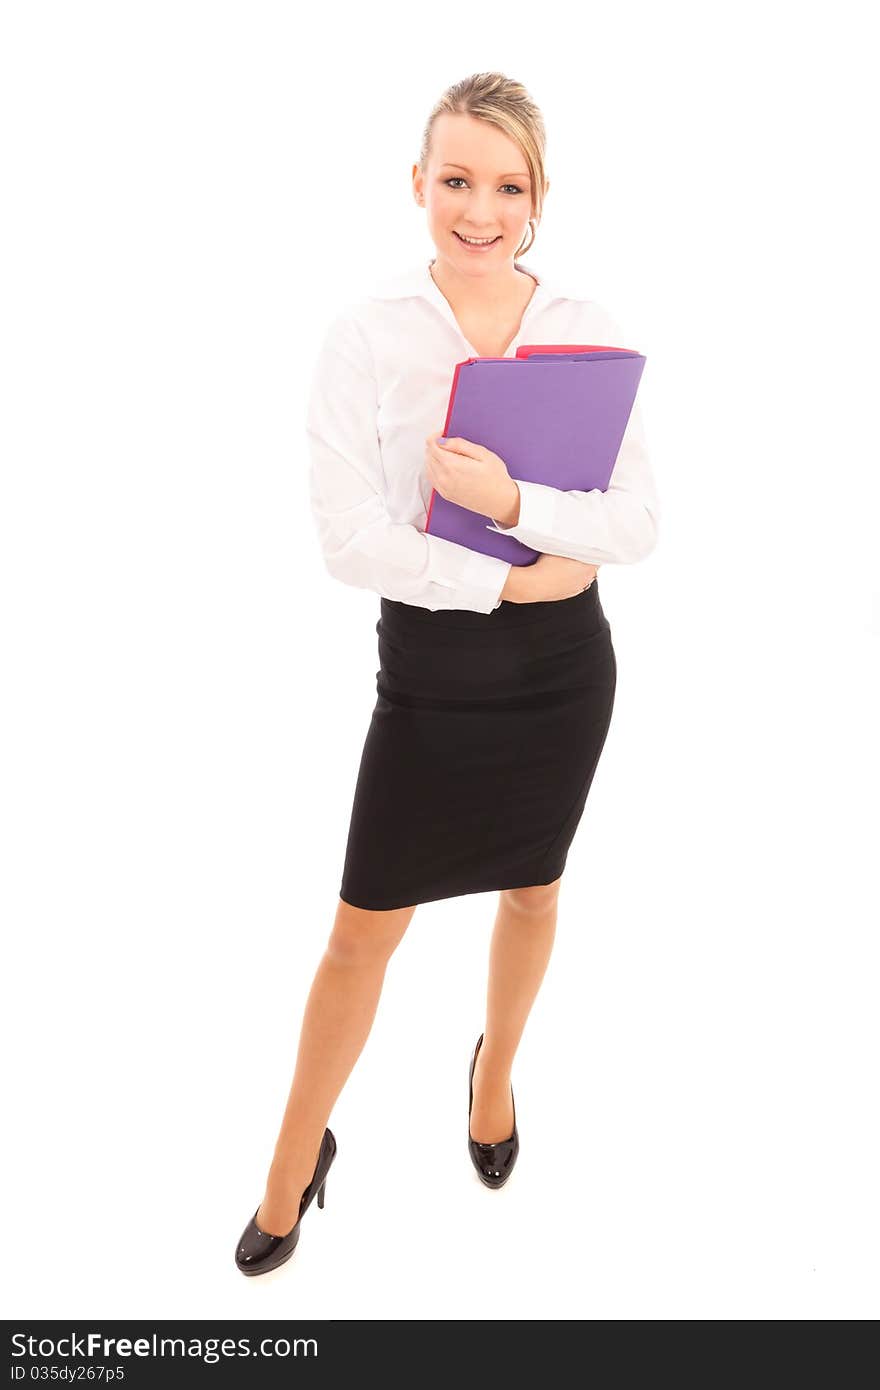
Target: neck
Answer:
[[479, 291]]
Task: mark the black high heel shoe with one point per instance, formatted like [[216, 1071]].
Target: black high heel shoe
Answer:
[[258, 1251], [493, 1162]]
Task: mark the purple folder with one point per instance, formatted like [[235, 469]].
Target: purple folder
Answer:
[[554, 417]]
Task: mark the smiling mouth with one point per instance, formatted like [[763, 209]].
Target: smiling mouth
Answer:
[[478, 241]]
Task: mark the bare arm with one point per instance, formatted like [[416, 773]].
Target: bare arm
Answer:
[[551, 577]]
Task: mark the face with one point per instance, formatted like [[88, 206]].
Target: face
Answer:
[[476, 185]]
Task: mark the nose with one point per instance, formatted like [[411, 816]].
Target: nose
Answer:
[[481, 214]]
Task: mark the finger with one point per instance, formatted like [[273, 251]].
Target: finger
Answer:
[[460, 446]]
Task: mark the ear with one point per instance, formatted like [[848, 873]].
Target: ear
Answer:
[[418, 183]]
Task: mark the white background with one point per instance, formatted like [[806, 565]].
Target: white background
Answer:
[[191, 190]]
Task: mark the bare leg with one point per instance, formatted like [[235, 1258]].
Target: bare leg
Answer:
[[338, 1016], [525, 928]]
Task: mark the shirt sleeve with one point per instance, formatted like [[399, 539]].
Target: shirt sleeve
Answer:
[[361, 544], [616, 527]]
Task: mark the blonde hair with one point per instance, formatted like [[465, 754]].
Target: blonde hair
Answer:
[[505, 104]]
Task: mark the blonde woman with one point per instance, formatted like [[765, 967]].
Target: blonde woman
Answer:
[[497, 681]]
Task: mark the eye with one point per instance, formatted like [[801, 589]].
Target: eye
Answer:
[[457, 179]]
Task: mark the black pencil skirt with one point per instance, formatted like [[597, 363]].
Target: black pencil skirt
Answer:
[[481, 748]]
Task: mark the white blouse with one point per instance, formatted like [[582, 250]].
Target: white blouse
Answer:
[[381, 385]]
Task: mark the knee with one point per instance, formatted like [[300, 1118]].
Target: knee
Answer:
[[360, 936], [538, 898]]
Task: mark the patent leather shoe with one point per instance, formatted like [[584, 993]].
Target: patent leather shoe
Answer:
[[259, 1251], [493, 1162]]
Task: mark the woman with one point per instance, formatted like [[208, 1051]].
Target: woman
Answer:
[[497, 681]]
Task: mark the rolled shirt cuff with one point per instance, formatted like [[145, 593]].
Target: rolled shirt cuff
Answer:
[[484, 577], [537, 506]]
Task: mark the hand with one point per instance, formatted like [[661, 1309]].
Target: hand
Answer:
[[551, 577], [470, 475]]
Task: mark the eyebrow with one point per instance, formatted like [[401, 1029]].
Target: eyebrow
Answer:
[[518, 174]]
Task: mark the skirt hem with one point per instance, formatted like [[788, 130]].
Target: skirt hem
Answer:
[[529, 881]]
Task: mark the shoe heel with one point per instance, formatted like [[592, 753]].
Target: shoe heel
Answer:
[[258, 1251]]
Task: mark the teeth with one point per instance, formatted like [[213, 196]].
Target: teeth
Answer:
[[474, 241]]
